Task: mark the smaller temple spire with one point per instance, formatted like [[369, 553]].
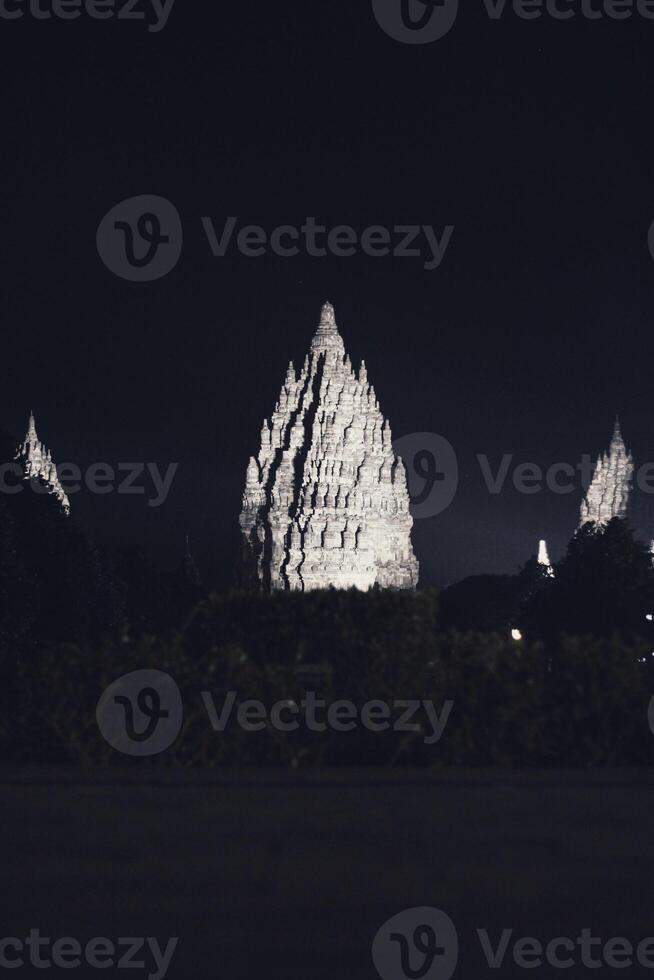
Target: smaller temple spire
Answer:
[[327, 337], [544, 558], [37, 463], [609, 491], [327, 315]]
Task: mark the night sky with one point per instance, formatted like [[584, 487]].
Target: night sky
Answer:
[[531, 137]]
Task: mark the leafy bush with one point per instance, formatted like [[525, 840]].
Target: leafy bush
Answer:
[[576, 701]]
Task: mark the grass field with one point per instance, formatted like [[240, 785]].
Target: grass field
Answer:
[[289, 875]]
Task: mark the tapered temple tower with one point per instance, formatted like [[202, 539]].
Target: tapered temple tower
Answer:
[[326, 500], [37, 461], [609, 491]]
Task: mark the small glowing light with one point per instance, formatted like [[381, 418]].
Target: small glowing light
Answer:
[[649, 617], [516, 635]]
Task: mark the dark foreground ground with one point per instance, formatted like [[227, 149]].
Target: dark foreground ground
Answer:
[[284, 875]]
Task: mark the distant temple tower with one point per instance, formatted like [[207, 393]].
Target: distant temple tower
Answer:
[[37, 461], [326, 500], [608, 493], [544, 558]]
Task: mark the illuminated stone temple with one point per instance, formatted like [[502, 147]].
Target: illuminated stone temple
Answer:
[[326, 500]]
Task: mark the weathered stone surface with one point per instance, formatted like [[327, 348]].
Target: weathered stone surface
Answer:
[[609, 491], [326, 500], [37, 461]]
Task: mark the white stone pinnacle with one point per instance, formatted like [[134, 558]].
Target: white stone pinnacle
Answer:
[[326, 500], [608, 493], [37, 461], [544, 558]]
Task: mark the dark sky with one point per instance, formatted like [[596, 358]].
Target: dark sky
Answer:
[[532, 138]]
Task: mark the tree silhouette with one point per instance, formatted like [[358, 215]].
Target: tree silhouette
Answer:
[[54, 584], [603, 585]]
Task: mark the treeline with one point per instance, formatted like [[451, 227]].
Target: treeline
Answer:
[[576, 702], [551, 698], [540, 669], [56, 586]]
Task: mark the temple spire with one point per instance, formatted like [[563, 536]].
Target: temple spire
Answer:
[[544, 558], [609, 491], [37, 463], [327, 337], [327, 316], [326, 502]]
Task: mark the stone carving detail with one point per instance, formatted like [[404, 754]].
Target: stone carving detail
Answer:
[[37, 461], [608, 493], [326, 500]]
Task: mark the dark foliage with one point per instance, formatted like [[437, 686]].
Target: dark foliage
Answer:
[[575, 692], [152, 600], [603, 585], [488, 603], [54, 585], [481, 602], [581, 702]]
